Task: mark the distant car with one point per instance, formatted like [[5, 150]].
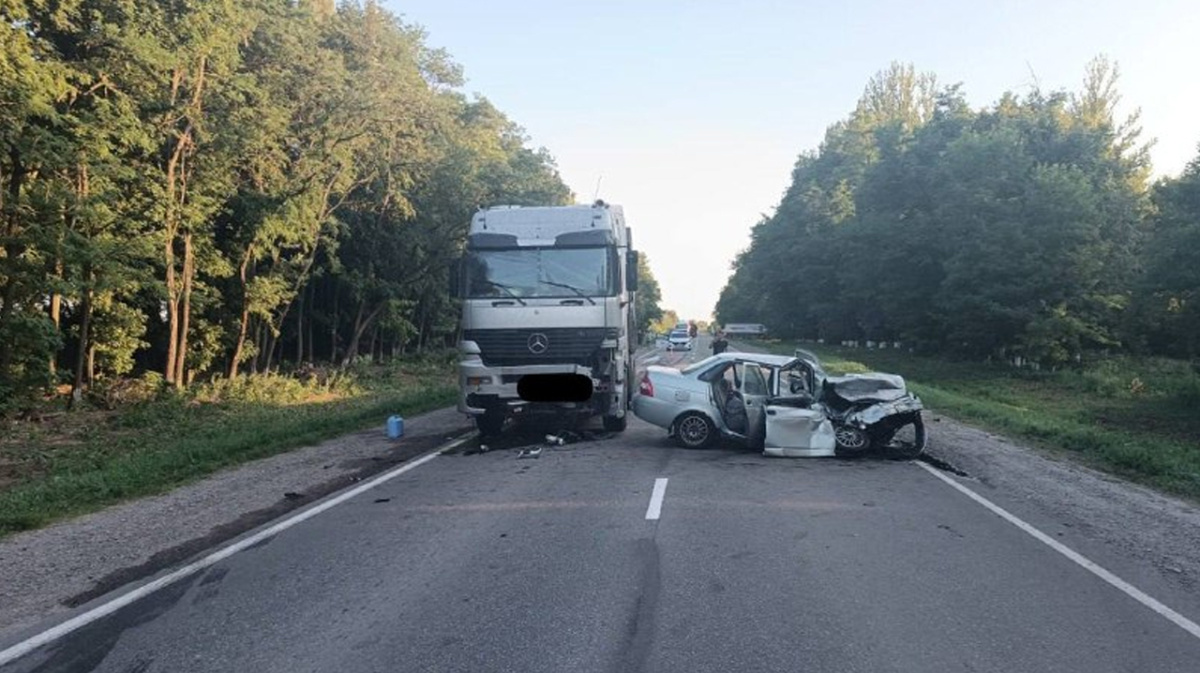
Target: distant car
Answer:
[[783, 405], [679, 340]]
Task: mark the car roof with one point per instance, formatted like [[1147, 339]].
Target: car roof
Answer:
[[759, 358]]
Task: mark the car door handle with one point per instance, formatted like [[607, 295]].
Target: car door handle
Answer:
[[770, 412]]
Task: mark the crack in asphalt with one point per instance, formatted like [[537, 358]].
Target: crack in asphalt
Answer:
[[643, 621]]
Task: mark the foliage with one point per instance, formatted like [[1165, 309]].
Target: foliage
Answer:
[[649, 296], [1024, 231], [667, 322], [85, 461], [214, 187]]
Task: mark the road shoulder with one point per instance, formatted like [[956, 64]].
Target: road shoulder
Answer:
[[46, 572], [1077, 502]]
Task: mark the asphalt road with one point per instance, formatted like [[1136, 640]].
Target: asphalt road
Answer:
[[487, 562]]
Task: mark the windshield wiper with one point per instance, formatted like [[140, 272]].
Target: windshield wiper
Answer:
[[507, 290], [572, 288]]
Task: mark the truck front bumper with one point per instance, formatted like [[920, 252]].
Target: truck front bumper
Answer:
[[482, 388]]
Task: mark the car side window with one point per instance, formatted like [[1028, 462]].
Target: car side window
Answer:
[[755, 381], [731, 377]]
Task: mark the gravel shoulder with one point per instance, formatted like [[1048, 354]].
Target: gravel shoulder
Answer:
[[46, 572], [1154, 537]]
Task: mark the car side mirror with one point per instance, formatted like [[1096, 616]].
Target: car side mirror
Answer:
[[631, 271]]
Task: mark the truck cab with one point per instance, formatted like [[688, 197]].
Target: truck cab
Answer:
[[546, 291]]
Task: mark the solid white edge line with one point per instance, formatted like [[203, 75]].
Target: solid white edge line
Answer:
[[656, 499], [79, 621], [1081, 560]]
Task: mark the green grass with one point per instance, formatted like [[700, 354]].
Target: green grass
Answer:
[[90, 459], [1136, 417]]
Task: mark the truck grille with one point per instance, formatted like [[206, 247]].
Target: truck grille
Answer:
[[563, 345]]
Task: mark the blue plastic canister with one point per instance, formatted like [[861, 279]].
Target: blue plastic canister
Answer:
[[395, 427]]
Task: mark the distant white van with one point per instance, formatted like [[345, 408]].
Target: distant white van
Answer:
[[745, 329]]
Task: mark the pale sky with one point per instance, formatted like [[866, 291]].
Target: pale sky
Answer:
[[692, 113]]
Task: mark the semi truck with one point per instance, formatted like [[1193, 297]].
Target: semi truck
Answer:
[[547, 293]]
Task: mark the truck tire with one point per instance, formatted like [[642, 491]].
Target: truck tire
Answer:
[[490, 423], [615, 423]]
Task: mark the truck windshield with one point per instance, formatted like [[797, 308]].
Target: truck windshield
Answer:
[[540, 272]]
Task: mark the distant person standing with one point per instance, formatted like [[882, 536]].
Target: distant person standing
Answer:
[[720, 344]]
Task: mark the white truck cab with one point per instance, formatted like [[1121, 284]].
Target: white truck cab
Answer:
[[546, 290]]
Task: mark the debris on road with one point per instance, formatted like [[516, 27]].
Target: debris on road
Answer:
[[559, 439], [530, 452]]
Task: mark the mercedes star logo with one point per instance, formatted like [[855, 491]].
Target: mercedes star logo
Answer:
[[538, 343]]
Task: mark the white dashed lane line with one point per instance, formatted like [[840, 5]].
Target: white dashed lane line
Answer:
[[656, 499]]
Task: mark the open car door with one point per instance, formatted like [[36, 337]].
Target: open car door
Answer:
[[796, 426], [755, 393]]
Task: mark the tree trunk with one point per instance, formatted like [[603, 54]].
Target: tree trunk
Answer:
[[176, 194], [172, 310], [300, 327], [360, 326], [189, 270], [240, 345], [169, 263], [85, 325], [256, 361], [309, 340], [91, 365], [333, 328], [270, 340], [374, 339], [13, 249], [56, 305]]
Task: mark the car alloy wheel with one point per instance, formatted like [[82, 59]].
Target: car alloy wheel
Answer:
[[694, 431], [851, 440]]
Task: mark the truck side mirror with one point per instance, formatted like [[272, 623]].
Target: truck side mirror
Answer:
[[455, 277], [631, 271]]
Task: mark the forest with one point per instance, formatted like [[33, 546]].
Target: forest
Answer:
[[1028, 231], [191, 190]]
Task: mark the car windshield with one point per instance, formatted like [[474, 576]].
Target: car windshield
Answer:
[[540, 272], [679, 334]]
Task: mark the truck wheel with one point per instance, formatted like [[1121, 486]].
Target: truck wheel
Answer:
[[616, 424], [490, 423]]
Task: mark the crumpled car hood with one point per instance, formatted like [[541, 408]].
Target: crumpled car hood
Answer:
[[874, 386]]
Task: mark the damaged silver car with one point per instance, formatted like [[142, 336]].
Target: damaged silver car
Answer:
[[783, 406]]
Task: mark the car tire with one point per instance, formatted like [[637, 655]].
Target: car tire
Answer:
[[616, 423], [851, 441], [694, 430]]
